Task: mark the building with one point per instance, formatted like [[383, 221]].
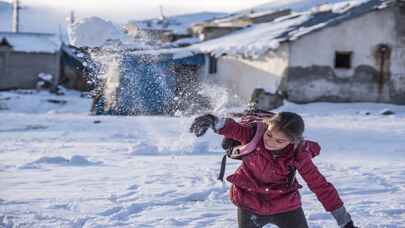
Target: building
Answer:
[[346, 52], [168, 29], [24, 56], [231, 23]]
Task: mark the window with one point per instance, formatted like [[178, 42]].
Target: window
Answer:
[[343, 60], [213, 63]]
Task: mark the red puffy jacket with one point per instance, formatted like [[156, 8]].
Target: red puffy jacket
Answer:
[[260, 183]]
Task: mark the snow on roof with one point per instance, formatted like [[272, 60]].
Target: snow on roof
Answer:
[[93, 32], [258, 39], [272, 7], [32, 42], [253, 41], [260, 14], [186, 42], [97, 32], [294, 5], [175, 53], [178, 24]]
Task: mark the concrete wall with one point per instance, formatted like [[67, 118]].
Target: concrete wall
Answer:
[[312, 75], [242, 76], [21, 70], [3, 58], [398, 53]]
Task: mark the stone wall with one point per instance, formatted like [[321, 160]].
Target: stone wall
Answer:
[[322, 84]]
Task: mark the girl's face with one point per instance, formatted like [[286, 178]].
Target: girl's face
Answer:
[[274, 139]]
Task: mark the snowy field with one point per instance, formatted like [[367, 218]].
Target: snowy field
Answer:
[[61, 167]]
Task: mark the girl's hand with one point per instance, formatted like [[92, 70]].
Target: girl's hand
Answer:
[[201, 124], [350, 225]]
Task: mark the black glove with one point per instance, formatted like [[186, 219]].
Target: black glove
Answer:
[[350, 225], [228, 145], [201, 124]]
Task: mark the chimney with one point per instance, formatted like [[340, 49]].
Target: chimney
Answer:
[[16, 16]]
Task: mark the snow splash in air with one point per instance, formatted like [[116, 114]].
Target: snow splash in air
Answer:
[[143, 79], [135, 83]]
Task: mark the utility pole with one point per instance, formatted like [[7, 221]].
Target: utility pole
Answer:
[[162, 16], [72, 17], [16, 16]]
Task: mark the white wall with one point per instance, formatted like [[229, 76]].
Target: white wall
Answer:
[[242, 76], [359, 35], [398, 56]]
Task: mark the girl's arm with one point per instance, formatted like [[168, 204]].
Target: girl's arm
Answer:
[[233, 130], [324, 191], [224, 126]]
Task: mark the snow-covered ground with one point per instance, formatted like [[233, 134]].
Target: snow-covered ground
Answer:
[[61, 167]]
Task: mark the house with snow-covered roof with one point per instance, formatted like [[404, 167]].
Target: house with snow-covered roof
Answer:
[[24, 57], [352, 51], [169, 29], [234, 22]]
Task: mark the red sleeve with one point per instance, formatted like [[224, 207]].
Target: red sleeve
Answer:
[[236, 131], [324, 191]]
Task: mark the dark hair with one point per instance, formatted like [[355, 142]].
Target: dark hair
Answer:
[[291, 124]]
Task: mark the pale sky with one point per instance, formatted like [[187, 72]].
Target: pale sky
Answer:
[[123, 10]]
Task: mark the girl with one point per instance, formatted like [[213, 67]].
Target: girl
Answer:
[[264, 187]]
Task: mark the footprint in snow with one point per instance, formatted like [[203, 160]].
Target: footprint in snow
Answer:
[[76, 160]]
